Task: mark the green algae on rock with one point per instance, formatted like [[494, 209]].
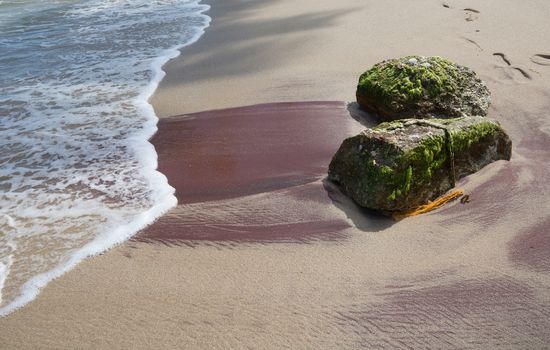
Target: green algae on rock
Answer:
[[422, 87], [400, 165]]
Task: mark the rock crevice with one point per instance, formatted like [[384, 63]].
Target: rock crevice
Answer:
[[400, 165], [435, 133]]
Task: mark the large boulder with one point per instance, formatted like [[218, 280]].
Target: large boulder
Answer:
[[422, 87], [400, 165]]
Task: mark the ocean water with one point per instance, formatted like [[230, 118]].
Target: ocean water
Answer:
[[77, 173]]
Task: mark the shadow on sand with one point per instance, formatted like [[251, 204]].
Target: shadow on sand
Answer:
[[364, 219], [368, 120], [231, 48]]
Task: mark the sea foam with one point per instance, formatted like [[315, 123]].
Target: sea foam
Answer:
[[78, 174]]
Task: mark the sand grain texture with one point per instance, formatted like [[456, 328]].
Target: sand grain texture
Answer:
[[467, 276]]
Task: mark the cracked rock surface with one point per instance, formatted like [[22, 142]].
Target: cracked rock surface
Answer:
[[400, 165]]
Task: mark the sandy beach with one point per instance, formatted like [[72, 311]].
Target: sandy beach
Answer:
[[263, 253]]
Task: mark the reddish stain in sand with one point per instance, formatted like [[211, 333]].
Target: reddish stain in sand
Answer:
[[240, 151], [171, 231], [532, 249], [486, 313], [217, 160]]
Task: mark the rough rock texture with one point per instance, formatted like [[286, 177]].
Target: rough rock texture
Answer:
[[400, 165], [422, 87]]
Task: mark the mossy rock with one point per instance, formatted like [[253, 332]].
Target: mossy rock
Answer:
[[400, 165], [422, 87]]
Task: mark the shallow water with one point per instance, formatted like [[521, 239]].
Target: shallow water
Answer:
[[77, 173]]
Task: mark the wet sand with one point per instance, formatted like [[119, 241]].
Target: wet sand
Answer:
[[236, 152], [263, 253], [217, 158]]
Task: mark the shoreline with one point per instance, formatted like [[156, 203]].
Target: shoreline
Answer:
[[161, 202], [463, 276], [251, 187]]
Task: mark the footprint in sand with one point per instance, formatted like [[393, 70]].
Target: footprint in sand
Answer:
[[503, 57], [541, 59], [471, 14], [523, 72], [510, 72], [473, 42]]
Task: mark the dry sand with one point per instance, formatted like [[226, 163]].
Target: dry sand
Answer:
[[467, 276]]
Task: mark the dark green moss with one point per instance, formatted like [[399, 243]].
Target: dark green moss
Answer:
[[463, 139], [407, 80], [419, 164], [402, 164], [376, 175]]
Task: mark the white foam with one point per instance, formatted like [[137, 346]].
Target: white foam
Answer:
[[101, 243], [81, 173], [5, 264]]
